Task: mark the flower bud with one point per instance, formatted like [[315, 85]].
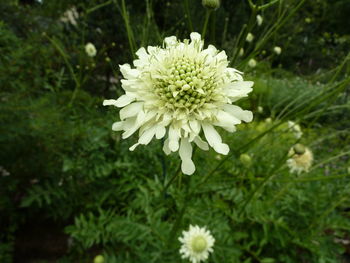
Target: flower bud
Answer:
[[259, 20], [249, 37], [90, 50], [245, 159], [99, 259], [277, 50], [211, 4], [299, 149], [252, 63], [241, 52]]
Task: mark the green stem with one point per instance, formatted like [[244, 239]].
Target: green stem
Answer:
[[187, 11], [177, 173], [69, 65], [207, 15], [129, 32]]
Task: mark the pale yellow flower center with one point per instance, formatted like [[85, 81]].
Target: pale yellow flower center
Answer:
[[184, 85], [199, 244]]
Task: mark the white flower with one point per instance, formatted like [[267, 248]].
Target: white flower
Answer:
[[90, 50], [260, 109], [197, 243], [295, 128], [181, 90], [259, 20], [70, 16], [249, 37], [252, 63], [299, 162], [277, 50]]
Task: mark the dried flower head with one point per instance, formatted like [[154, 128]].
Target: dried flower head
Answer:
[[301, 159], [180, 90]]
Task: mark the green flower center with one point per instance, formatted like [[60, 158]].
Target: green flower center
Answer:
[[184, 85], [198, 244]]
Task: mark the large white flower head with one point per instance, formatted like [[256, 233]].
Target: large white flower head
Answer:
[[177, 92], [301, 159], [197, 243]]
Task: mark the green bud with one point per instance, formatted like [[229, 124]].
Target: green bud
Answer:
[[245, 160], [211, 4], [299, 149], [99, 259]]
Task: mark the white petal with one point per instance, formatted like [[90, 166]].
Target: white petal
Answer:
[[173, 139], [166, 147], [239, 88], [214, 139], [142, 53], [147, 136], [131, 110], [185, 152], [195, 126], [236, 111], [226, 119], [160, 132], [132, 148], [110, 103], [124, 100], [201, 144], [195, 36], [118, 126], [170, 41], [128, 72]]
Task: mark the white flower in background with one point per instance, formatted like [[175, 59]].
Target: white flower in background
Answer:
[[301, 159], [260, 109], [252, 63], [180, 90], [249, 37], [241, 52], [259, 20], [197, 243], [295, 128], [90, 50], [70, 16], [277, 50], [4, 172]]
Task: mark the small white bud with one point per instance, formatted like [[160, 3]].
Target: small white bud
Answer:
[[90, 50], [249, 37], [259, 20], [252, 63], [277, 50]]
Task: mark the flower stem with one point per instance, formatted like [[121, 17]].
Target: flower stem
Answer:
[[207, 15], [177, 173]]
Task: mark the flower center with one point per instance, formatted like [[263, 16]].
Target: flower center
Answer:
[[199, 244], [185, 85]]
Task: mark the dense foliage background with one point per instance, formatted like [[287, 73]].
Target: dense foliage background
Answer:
[[69, 187]]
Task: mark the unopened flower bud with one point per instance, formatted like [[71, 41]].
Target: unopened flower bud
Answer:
[[249, 37], [299, 149], [277, 50], [241, 52], [245, 160], [99, 259], [259, 20], [211, 4], [252, 63]]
